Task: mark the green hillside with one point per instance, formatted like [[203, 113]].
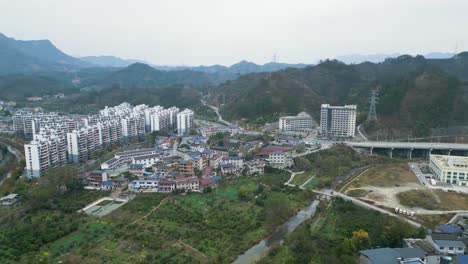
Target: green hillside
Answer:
[[415, 93]]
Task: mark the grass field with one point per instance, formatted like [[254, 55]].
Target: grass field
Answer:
[[314, 183], [431, 221], [434, 200], [385, 175], [299, 179], [194, 228], [77, 238]]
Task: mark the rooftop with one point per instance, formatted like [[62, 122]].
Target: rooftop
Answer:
[[451, 162], [391, 255]]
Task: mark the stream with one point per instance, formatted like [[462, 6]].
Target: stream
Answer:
[[256, 252]]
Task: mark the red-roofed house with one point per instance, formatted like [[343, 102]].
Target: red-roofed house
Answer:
[[266, 151], [208, 182]]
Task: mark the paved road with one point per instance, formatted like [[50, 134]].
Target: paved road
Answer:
[[216, 109], [360, 133]]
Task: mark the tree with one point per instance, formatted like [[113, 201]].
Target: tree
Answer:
[[302, 164], [361, 239], [277, 209], [301, 148]]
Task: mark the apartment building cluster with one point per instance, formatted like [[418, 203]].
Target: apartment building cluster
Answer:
[[58, 139], [338, 121]]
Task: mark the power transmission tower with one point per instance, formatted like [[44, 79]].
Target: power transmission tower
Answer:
[[373, 101]]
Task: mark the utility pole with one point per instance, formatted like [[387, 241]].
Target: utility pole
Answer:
[[373, 101]]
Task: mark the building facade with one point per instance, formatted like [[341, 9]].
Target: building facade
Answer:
[[303, 122], [450, 169], [338, 121], [184, 121]]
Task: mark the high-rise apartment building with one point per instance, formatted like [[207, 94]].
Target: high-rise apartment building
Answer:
[[339, 121], [184, 121]]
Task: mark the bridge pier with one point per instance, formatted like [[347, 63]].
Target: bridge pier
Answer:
[[370, 150], [449, 151], [429, 152], [410, 153], [390, 152]]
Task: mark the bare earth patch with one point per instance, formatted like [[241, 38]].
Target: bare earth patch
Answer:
[[387, 175], [434, 200]]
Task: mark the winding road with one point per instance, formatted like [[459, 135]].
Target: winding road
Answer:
[[216, 109]]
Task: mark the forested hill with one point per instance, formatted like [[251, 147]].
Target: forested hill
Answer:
[[414, 91]]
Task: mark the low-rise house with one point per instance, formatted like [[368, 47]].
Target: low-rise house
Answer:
[[447, 243], [221, 151], [449, 229], [188, 183], [96, 177], [255, 167], [208, 171], [9, 200], [392, 256], [186, 167], [264, 153], [119, 184], [228, 169], [207, 153], [280, 160], [106, 185], [148, 184], [215, 161], [136, 169], [112, 164], [236, 161], [146, 160], [166, 185], [127, 156], [207, 182]]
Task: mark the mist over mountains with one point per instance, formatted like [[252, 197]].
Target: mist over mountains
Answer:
[[417, 92]]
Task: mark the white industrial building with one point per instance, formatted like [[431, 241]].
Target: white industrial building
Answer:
[[450, 169], [338, 121], [303, 122], [184, 121]]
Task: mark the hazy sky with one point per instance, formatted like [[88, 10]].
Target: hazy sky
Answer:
[[197, 32]]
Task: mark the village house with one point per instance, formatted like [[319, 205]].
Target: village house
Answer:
[[187, 183], [255, 167], [136, 169], [9, 200], [228, 169], [186, 167]]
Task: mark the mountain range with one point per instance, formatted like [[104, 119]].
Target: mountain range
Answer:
[[415, 93], [376, 58], [34, 55]]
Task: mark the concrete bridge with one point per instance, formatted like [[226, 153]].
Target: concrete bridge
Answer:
[[426, 148]]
